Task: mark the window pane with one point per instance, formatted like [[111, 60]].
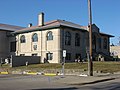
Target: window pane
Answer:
[[35, 38], [67, 38], [99, 42], [22, 39], [12, 46], [68, 56], [35, 47], [49, 36], [77, 39], [105, 43], [49, 56]]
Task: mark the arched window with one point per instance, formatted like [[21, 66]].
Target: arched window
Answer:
[[77, 39], [67, 38], [49, 36], [105, 43], [99, 42], [35, 37], [22, 39]]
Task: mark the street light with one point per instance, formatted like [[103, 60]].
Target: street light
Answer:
[[90, 63]]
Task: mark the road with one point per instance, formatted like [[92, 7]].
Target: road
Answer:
[[107, 85], [25, 82], [16, 82]]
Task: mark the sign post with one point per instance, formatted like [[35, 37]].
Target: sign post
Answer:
[[63, 62]]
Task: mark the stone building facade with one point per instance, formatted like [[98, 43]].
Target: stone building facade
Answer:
[[5, 40], [49, 39], [115, 51]]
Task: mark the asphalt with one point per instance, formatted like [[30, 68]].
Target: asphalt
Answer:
[[72, 79], [66, 79], [82, 80]]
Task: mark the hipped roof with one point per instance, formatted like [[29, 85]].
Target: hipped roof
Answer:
[[7, 27], [55, 24], [51, 24]]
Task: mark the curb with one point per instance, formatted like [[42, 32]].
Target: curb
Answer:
[[4, 72], [50, 74], [93, 82], [32, 73]]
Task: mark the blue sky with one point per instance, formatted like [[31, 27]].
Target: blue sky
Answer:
[[105, 13]]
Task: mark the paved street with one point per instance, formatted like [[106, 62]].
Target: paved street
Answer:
[[38, 82], [30, 83], [108, 85]]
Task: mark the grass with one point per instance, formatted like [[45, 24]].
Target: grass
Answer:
[[104, 67], [107, 66]]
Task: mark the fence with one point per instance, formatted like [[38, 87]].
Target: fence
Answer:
[[24, 60]]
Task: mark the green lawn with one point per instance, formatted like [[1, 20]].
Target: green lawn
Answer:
[[97, 66]]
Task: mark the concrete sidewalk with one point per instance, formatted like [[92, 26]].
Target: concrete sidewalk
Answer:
[[82, 80]]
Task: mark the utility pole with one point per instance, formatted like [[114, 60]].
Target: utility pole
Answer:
[[90, 63]]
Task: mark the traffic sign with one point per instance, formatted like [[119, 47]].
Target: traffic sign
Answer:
[[64, 53]]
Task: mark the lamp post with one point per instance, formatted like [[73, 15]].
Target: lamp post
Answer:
[[90, 63]]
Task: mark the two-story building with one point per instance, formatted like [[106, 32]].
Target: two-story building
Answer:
[[6, 44], [49, 39]]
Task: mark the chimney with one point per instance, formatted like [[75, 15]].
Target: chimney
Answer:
[[30, 25], [41, 19]]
